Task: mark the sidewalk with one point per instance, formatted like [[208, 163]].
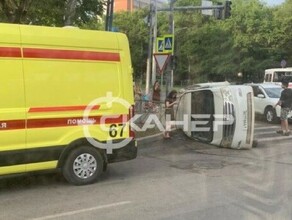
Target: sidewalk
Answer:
[[143, 140], [149, 139]]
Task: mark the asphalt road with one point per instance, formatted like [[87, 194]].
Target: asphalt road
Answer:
[[173, 179]]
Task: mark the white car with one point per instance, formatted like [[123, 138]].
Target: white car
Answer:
[[218, 113], [266, 95]]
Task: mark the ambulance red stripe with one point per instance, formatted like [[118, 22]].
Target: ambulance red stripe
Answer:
[[10, 52], [70, 54], [61, 122], [41, 53], [74, 121], [12, 125], [61, 108]]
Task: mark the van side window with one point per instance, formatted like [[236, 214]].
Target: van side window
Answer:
[[268, 77], [278, 76]]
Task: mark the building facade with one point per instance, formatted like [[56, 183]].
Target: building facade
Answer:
[[131, 5]]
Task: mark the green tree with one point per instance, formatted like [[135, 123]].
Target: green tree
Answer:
[[254, 38], [252, 27], [13, 11], [134, 26], [282, 32], [52, 12]]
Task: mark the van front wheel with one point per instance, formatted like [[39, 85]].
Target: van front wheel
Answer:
[[83, 166]]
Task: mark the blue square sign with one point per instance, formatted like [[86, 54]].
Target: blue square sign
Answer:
[[168, 43]]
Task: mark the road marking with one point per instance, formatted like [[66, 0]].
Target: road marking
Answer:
[[266, 132], [82, 211], [269, 130], [273, 138], [266, 128]]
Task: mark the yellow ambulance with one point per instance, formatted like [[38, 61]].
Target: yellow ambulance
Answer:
[[66, 101]]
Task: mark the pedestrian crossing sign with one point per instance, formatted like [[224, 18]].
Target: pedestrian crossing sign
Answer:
[[165, 44], [160, 45], [168, 43]]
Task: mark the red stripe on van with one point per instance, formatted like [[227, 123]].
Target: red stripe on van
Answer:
[[12, 125], [61, 108], [74, 121], [69, 54], [62, 122], [10, 52]]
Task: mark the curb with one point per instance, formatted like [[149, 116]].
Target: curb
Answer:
[[149, 139]]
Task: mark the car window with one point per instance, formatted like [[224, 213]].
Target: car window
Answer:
[[273, 92], [256, 91]]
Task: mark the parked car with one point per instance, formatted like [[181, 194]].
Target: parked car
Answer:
[[218, 113], [266, 95]]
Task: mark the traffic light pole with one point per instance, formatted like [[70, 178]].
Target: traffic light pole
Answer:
[[154, 41], [150, 52], [226, 7], [109, 15], [185, 8], [169, 78], [171, 31]]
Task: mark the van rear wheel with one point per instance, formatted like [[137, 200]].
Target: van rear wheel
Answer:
[[83, 166]]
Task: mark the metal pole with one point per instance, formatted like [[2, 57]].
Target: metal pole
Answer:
[[171, 31], [149, 58], [109, 15], [172, 54], [112, 15], [186, 8], [154, 42], [169, 77]]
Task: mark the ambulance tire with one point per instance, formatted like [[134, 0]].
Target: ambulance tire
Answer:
[[83, 165]]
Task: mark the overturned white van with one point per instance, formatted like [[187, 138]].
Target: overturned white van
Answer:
[[218, 113]]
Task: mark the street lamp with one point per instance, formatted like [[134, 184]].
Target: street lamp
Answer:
[[239, 76]]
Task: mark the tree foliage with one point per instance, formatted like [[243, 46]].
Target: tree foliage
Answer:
[[51, 12], [254, 38], [14, 11], [134, 26]]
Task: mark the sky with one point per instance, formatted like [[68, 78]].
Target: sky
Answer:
[[273, 2]]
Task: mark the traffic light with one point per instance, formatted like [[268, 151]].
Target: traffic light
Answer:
[[218, 12], [227, 9]]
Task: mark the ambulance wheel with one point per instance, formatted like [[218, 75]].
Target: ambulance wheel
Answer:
[[83, 166]]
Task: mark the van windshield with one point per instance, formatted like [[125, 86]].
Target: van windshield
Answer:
[[202, 110]]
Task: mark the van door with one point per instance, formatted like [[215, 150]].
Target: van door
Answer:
[[12, 105]]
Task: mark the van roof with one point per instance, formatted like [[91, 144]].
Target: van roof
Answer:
[[64, 37], [279, 69], [265, 85], [207, 85]]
